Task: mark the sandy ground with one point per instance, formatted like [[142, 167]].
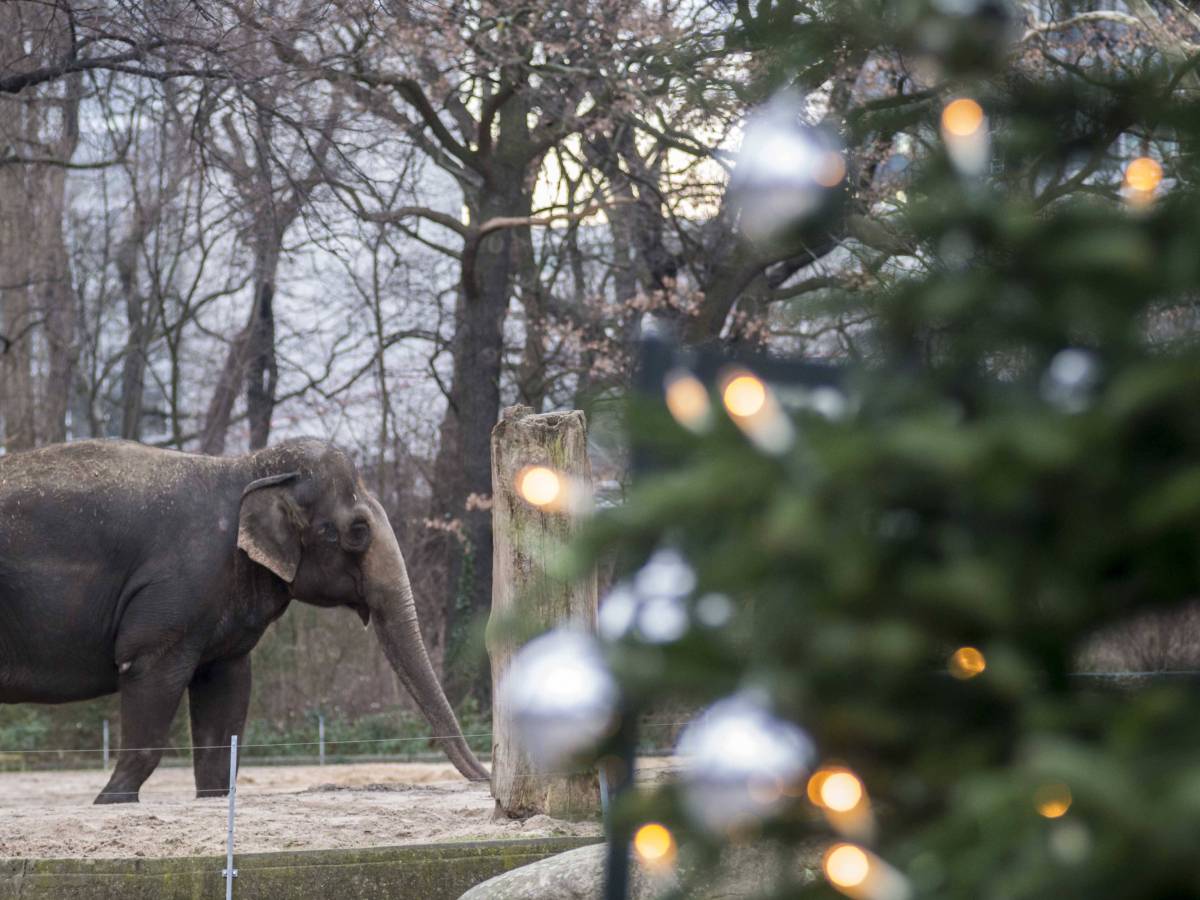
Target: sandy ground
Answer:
[[50, 814]]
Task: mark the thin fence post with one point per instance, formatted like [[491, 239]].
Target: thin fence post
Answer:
[[603, 771], [321, 735], [229, 871], [105, 743]]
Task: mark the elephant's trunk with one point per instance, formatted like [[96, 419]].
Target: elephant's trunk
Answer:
[[390, 598]]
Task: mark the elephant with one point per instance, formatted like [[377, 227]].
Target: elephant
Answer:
[[150, 572]]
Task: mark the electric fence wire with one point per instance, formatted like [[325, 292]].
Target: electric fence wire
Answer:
[[241, 746]]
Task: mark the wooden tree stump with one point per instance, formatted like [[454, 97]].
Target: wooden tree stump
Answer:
[[524, 536]]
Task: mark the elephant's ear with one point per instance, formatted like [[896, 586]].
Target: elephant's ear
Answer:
[[269, 525]]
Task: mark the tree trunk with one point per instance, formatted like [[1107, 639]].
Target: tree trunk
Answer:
[[16, 311], [262, 373], [133, 362], [57, 304], [17, 317], [531, 373], [250, 361], [36, 294], [58, 293], [525, 537], [133, 365], [220, 406], [462, 469]]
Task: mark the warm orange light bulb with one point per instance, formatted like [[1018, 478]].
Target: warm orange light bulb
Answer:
[[744, 395], [687, 400], [846, 866], [967, 662], [654, 843], [539, 485], [1143, 174], [1052, 800], [962, 117], [841, 791]]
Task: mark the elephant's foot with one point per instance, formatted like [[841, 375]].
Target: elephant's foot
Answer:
[[201, 793], [107, 797]]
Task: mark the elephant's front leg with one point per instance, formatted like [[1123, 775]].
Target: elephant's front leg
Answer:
[[149, 699], [218, 698]]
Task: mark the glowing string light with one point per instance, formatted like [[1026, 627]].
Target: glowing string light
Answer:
[[744, 396], [841, 791], [962, 117], [1143, 174], [965, 133], [755, 409], [687, 400], [967, 662], [1052, 800], [846, 866], [654, 843], [539, 485], [861, 875], [842, 797]]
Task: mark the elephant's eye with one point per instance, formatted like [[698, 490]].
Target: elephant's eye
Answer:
[[327, 531], [358, 536]]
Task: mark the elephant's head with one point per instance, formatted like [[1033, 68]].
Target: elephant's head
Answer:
[[319, 529]]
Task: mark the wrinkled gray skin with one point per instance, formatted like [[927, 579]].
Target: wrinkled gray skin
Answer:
[[151, 572]]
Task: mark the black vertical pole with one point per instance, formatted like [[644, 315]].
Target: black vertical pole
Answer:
[[657, 354], [620, 777], [654, 361]]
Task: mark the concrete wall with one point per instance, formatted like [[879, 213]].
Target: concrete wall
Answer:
[[429, 872]]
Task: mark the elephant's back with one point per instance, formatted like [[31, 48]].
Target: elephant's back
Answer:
[[103, 499], [102, 468]]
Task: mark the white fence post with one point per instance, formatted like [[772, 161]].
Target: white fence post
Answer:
[[106, 743], [229, 871], [321, 735]]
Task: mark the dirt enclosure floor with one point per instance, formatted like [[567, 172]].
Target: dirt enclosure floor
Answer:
[[50, 814]]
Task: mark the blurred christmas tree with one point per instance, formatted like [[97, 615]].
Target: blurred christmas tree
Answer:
[[895, 582]]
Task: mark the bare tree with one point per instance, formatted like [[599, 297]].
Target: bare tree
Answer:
[[38, 317], [273, 179], [486, 93]]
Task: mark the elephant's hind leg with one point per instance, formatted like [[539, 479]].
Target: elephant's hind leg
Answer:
[[148, 702], [217, 699]]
